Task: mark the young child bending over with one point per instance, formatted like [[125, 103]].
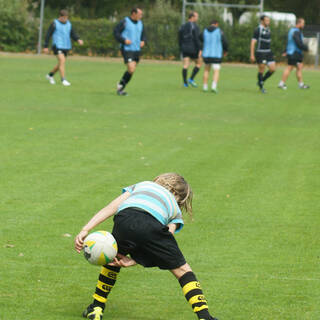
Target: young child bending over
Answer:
[[146, 216]]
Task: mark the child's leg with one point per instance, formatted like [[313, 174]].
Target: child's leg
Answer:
[[192, 291], [107, 279]]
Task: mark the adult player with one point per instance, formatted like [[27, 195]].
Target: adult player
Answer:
[[294, 53], [131, 35], [215, 46], [260, 51], [62, 32], [190, 48]]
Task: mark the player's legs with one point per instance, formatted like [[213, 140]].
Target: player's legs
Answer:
[[285, 75], [107, 279], [302, 85], [216, 74], [61, 64], [272, 68], [192, 291], [197, 66], [261, 68], [186, 64], [206, 76], [126, 77]]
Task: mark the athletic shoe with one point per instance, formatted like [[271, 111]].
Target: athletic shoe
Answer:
[[282, 86], [51, 79], [66, 83], [121, 93], [185, 85], [214, 90], [93, 313], [305, 86], [193, 83], [119, 87], [205, 90], [263, 90]]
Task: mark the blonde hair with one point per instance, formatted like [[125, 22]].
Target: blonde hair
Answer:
[[179, 187]]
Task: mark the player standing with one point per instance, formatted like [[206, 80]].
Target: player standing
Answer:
[[262, 53], [190, 48], [215, 46], [294, 53], [61, 31], [131, 35]]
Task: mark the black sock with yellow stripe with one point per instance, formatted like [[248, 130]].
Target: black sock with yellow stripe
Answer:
[[107, 279], [194, 295]]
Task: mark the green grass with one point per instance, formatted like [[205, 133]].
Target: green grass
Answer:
[[252, 160]]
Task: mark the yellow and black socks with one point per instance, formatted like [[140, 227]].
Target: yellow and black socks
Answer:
[[107, 279], [194, 295]]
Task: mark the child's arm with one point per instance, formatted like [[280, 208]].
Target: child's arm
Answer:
[[102, 215]]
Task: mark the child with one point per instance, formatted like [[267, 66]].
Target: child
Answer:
[[147, 215], [215, 46]]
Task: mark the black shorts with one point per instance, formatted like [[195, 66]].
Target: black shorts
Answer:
[[57, 51], [193, 56], [212, 60], [264, 57], [129, 56], [147, 241], [295, 58]]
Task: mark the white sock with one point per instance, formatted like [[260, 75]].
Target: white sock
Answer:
[[214, 85], [205, 86], [281, 83], [301, 84]]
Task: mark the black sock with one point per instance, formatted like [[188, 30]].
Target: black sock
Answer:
[[107, 279], [194, 72], [267, 75], [51, 74], [260, 79], [194, 295], [125, 79], [184, 75]]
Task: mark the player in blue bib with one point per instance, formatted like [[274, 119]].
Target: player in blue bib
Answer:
[[62, 32], [294, 53], [146, 216], [131, 35]]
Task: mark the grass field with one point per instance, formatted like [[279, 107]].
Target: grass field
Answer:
[[252, 160]]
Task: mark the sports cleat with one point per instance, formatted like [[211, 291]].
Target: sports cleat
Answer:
[[66, 83], [121, 93], [214, 90], [282, 86], [192, 83], [305, 86], [93, 313], [51, 79], [263, 90], [185, 85]]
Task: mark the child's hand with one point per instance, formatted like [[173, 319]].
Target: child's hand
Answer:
[[122, 261], [78, 241]]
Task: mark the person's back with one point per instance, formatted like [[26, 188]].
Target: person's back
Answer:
[[189, 38], [212, 43]]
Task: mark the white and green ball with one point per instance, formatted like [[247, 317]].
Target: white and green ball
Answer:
[[100, 247]]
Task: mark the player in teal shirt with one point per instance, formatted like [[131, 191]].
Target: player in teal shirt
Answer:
[[146, 216]]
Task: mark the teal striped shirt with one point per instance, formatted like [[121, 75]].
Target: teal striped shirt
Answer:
[[156, 200]]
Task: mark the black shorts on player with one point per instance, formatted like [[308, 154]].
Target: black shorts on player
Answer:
[[294, 59], [193, 55], [147, 241], [264, 57], [57, 51], [129, 56], [212, 60]]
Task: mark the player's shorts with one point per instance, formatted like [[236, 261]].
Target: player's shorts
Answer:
[[294, 59], [148, 241], [209, 60], [129, 56], [264, 57], [57, 51], [193, 55]]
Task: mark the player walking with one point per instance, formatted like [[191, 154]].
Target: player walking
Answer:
[[190, 48], [131, 35], [215, 46], [262, 53], [147, 215], [294, 53], [61, 31]]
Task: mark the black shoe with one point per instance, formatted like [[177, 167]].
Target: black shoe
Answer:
[[121, 93], [93, 312]]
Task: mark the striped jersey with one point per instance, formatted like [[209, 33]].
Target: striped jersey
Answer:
[[156, 200], [263, 36]]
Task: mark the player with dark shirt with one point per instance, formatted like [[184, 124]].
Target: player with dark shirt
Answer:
[[190, 47], [262, 54], [62, 32], [131, 35], [294, 53]]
